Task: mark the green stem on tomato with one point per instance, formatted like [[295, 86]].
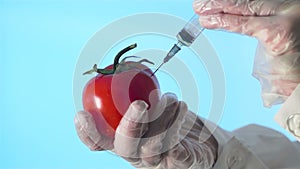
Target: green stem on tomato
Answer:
[[115, 64], [118, 56]]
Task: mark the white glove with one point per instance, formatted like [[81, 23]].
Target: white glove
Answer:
[[152, 140], [276, 24]]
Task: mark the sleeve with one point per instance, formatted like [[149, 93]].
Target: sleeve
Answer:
[[288, 116], [254, 146], [232, 153]]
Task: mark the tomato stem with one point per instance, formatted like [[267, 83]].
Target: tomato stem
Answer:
[[115, 64], [118, 56]]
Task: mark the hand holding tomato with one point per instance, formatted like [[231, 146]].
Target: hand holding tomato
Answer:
[[170, 137], [125, 114]]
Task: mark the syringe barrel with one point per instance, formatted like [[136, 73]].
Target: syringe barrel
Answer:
[[190, 31]]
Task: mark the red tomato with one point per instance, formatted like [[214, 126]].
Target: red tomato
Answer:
[[107, 97]]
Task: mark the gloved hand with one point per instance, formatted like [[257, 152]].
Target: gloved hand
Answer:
[[169, 138], [276, 24]]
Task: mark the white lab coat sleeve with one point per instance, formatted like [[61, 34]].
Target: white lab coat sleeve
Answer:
[[254, 147], [271, 148], [288, 116]]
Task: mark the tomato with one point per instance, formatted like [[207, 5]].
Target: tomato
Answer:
[[108, 96]]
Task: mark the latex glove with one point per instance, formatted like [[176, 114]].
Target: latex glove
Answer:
[[276, 24], [174, 138]]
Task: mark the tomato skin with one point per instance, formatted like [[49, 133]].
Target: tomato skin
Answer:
[[107, 97]]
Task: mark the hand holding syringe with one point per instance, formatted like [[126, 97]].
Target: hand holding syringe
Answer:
[[185, 37]]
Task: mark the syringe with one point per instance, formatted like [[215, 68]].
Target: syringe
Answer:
[[185, 37]]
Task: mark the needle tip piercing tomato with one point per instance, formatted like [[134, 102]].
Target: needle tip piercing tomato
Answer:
[[108, 95]]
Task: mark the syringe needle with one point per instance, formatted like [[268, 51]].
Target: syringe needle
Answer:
[[158, 68], [175, 49]]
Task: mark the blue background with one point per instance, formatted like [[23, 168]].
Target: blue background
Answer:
[[40, 42]]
